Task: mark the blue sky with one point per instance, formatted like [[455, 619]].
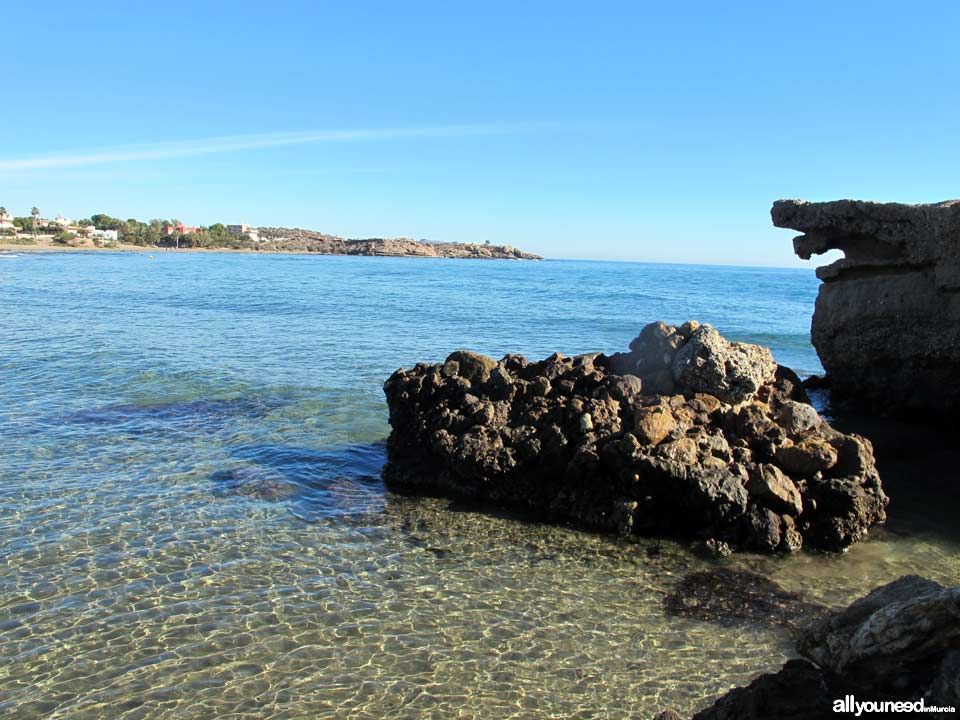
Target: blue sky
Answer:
[[642, 131]]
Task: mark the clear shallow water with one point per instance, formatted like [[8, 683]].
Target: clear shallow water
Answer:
[[191, 523]]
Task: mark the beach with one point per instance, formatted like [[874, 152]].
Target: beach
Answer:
[[47, 244]]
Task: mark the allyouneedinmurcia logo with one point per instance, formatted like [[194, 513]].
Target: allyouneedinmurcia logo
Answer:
[[849, 704]]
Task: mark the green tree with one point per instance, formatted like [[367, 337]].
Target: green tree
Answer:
[[133, 232], [34, 213], [154, 232], [198, 239], [217, 235], [102, 221]]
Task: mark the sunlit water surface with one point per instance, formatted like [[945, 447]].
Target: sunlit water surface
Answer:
[[192, 523]]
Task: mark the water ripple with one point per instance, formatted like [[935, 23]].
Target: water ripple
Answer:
[[192, 524]]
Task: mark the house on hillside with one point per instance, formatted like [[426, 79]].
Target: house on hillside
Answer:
[[179, 229], [247, 230], [62, 221]]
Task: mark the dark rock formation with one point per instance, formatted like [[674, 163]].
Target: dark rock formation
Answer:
[[798, 691], [887, 319], [893, 640], [310, 241], [668, 715], [687, 434], [728, 597], [899, 643]]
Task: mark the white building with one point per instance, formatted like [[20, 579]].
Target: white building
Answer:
[[62, 221], [247, 230], [108, 235], [6, 221]]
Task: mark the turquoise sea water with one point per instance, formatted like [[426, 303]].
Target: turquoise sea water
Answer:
[[192, 524]]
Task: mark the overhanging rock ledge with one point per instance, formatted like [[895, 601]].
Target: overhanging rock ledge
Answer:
[[887, 318]]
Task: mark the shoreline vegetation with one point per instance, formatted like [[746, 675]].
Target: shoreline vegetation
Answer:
[[102, 232]]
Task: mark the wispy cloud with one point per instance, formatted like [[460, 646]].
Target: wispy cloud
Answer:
[[234, 143]]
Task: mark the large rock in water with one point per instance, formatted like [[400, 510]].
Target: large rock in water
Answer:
[[900, 643], [887, 319], [685, 435]]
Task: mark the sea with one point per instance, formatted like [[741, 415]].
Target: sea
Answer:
[[192, 523]]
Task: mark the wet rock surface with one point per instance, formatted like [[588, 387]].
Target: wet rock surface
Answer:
[[887, 319], [901, 642], [687, 434]]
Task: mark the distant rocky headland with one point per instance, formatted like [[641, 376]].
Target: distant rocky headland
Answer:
[[103, 232], [309, 241], [887, 319]]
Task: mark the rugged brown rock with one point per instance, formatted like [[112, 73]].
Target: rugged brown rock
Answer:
[[298, 240], [688, 434], [887, 319]]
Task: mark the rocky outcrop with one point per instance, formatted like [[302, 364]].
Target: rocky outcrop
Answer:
[[310, 241], [900, 643], [887, 319], [687, 434]]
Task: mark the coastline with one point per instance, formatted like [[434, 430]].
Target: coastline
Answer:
[[42, 246], [46, 245]]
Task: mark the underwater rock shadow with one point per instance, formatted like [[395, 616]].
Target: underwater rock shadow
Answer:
[[728, 596], [318, 483], [183, 415]]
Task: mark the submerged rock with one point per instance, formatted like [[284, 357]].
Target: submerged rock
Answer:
[[255, 482], [728, 597], [687, 434], [887, 319], [178, 411]]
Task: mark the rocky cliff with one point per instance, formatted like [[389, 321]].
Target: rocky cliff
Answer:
[[687, 434], [887, 319], [297, 240]]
